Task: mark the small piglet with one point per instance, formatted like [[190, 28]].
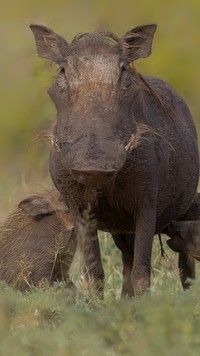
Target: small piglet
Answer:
[[185, 237], [37, 242]]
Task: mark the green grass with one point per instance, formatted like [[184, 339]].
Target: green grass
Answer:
[[50, 321]]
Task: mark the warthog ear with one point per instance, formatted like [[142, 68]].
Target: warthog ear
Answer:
[[177, 244], [137, 43], [36, 205], [49, 45]]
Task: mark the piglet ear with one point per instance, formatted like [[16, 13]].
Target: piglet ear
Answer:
[[36, 205], [177, 244], [49, 45], [137, 43]]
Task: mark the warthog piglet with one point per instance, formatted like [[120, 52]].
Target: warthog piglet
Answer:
[[37, 242]]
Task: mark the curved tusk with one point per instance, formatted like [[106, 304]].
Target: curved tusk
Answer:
[[131, 144], [55, 144]]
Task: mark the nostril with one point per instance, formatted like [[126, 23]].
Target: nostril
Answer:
[[93, 172], [91, 176]]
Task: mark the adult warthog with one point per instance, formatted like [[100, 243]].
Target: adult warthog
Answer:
[[124, 145]]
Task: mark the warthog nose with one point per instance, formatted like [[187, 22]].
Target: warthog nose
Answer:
[[93, 177]]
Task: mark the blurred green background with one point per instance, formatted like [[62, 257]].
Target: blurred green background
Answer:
[[26, 111], [47, 322]]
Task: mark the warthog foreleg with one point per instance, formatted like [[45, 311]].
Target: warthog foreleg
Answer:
[[125, 243]]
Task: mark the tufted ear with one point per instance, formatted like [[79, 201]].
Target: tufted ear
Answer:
[[49, 45], [177, 244], [36, 205], [137, 43], [43, 204]]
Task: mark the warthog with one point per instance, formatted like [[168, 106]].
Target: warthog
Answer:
[[124, 145], [37, 242], [186, 263], [185, 239]]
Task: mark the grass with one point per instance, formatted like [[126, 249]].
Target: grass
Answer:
[[51, 321]]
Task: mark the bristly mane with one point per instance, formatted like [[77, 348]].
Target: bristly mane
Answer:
[[96, 42]]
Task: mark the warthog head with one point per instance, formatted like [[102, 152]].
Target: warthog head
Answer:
[[185, 237], [92, 94]]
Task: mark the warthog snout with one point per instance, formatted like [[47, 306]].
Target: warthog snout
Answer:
[[92, 176]]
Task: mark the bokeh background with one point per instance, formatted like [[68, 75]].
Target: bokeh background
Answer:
[[26, 111], [46, 322]]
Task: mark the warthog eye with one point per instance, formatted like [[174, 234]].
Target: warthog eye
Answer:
[[62, 79], [126, 78], [60, 146], [62, 70], [65, 145]]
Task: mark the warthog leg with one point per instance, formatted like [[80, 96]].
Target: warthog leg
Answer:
[[186, 266], [125, 243]]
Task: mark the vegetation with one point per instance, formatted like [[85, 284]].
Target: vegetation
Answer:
[[50, 321]]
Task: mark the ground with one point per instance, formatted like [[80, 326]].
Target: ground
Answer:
[[50, 321]]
